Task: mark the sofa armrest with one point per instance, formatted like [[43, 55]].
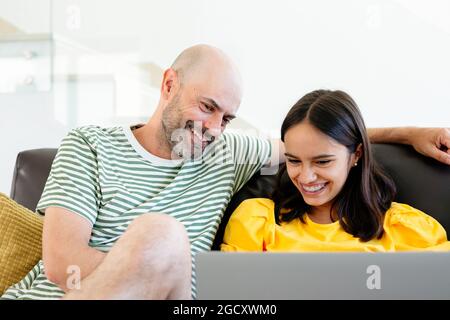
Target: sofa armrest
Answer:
[[30, 174]]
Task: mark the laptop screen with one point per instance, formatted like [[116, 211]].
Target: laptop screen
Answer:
[[273, 276]]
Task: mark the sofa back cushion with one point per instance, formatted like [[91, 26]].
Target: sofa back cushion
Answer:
[[421, 182]]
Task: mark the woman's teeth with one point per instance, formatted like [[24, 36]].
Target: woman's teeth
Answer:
[[314, 188]]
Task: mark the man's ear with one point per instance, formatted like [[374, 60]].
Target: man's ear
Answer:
[[169, 83]]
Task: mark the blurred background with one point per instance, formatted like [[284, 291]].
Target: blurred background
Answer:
[[67, 63]]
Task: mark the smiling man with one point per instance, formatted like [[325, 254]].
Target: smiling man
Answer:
[[201, 94], [128, 207]]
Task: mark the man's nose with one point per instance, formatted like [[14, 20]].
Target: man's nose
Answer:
[[214, 125]]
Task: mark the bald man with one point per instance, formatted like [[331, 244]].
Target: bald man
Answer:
[[127, 207]]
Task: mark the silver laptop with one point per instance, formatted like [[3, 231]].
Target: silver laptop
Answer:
[[273, 276]]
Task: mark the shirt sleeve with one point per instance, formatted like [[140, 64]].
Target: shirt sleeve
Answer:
[[73, 180], [246, 229], [249, 155], [412, 229]]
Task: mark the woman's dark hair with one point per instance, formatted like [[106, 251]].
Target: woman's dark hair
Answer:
[[367, 193]]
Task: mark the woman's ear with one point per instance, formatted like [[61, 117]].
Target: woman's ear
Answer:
[[358, 153]]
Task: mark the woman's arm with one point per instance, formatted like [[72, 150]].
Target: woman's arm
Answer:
[[412, 229], [245, 230]]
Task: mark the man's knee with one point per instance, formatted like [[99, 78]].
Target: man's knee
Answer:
[[156, 236], [159, 225]]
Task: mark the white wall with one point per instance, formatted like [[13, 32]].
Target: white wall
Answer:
[[390, 55], [31, 16], [26, 122]]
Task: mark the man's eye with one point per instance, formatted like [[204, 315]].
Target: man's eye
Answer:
[[293, 161], [206, 107]]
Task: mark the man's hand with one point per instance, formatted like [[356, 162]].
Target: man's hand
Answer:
[[432, 142]]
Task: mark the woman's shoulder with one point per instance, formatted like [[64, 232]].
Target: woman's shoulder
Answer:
[[406, 215], [266, 202], [413, 229], [256, 207]]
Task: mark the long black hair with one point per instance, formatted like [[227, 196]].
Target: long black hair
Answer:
[[367, 193]]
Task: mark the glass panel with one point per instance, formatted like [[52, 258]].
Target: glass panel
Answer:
[[25, 46], [26, 101], [25, 64]]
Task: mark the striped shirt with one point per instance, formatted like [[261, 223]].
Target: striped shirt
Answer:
[[105, 176]]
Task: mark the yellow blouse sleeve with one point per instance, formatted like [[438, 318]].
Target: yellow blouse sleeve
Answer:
[[412, 229], [245, 230]]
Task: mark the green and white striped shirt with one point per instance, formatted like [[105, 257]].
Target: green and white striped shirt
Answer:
[[108, 178]]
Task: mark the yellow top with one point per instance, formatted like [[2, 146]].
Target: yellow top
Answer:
[[252, 227]]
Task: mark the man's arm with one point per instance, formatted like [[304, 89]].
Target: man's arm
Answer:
[[277, 157], [65, 242], [431, 142]]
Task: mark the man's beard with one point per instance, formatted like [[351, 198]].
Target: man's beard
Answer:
[[187, 142], [190, 142]]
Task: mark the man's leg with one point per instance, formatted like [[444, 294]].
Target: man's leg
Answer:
[[150, 261]]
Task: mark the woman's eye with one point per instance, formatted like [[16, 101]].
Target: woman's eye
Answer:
[[293, 161], [323, 162]]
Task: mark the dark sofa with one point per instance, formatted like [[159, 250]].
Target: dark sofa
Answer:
[[421, 182]]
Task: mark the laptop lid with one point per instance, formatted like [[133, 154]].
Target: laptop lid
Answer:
[[273, 276]]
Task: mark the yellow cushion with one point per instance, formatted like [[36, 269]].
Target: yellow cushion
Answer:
[[20, 241]]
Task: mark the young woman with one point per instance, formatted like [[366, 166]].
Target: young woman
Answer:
[[334, 196]]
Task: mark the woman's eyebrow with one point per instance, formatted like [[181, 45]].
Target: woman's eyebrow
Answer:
[[320, 156], [323, 156]]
